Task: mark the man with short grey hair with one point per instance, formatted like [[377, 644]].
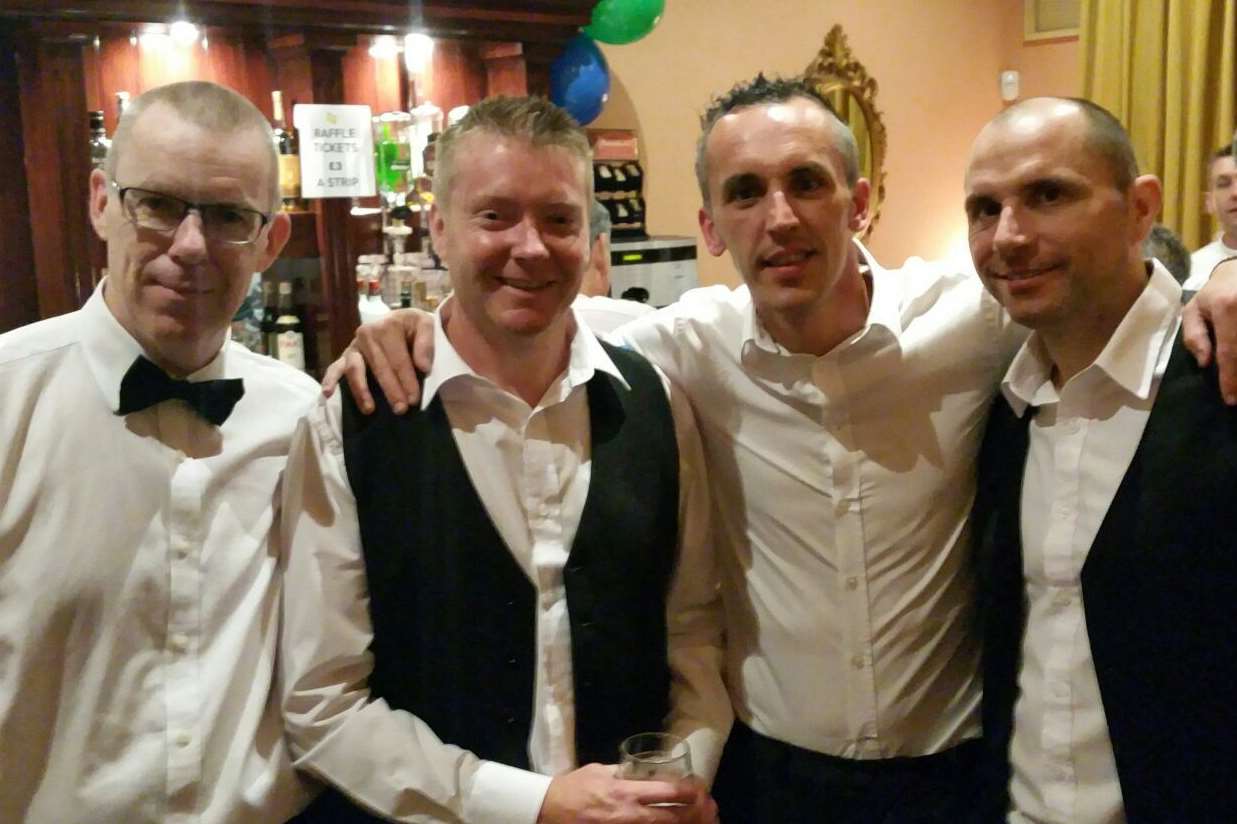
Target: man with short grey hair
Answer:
[[141, 451]]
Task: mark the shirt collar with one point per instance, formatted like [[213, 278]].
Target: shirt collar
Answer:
[[1133, 358], [586, 357], [110, 350], [884, 315]]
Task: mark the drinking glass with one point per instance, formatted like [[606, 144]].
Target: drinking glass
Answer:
[[655, 756]]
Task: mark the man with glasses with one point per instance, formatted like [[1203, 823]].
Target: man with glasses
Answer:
[[140, 457]]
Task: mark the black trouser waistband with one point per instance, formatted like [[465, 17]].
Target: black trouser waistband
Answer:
[[800, 759]]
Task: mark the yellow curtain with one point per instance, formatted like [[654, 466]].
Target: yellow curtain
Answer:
[[1166, 69]]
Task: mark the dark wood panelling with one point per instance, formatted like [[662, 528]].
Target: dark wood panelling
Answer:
[[19, 298], [456, 76], [529, 21], [505, 71], [370, 81], [54, 129]]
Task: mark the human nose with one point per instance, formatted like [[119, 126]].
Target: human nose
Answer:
[[529, 243], [1012, 231], [782, 215], [189, 240]]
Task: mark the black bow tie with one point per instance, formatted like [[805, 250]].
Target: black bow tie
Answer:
[[146, 385]]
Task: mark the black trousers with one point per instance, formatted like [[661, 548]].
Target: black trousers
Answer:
[[765, 781]]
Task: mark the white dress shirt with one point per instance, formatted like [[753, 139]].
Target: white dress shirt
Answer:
[[531, 469], [1082, 440], [1204, 260], [841, 489], [603, 314], [139, 592]]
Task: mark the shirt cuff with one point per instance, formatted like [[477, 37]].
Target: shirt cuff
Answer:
[[505, 795]]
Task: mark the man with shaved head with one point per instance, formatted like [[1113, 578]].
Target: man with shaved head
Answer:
[[1106, 510]]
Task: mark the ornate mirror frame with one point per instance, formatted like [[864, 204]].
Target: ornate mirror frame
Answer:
[[835, 69]]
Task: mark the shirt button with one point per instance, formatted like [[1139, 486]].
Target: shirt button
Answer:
[[183, 739], [852, 582], [179, 642], [1063, 599], [857, 661]]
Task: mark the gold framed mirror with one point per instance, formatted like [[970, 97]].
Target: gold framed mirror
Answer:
[[846, 84]]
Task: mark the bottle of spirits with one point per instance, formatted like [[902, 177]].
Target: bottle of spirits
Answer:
[[372, 307], [99, 144], [362, 291], [305, 310], [289, 160], [289, 332], [270, 313]]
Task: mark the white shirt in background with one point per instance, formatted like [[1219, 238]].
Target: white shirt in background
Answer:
[[1082, 440], [1203, 261], [604, 314]]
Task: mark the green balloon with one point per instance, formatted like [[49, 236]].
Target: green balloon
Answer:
[[624, 21]]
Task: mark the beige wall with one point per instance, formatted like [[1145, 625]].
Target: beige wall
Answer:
[[936, 63]]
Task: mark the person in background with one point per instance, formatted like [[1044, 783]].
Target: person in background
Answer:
[[1106, 513], [139, 594], [1163, 244], [487, 595], [841, 407], [247, 322], [1220, 200], [594, 306]]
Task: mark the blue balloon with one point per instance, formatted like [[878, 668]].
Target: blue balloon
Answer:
[[580, 79]]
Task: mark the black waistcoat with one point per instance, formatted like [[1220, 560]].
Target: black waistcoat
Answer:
[[1157, 589], [454, 615]]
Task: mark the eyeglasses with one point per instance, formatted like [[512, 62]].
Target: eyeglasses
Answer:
[[164, 213]]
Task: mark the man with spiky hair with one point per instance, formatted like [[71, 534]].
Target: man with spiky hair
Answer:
[[488, 594]]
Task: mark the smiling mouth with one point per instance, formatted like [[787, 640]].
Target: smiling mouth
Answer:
[[1024, 274], [786, 258], [526, 285], [184, 290]]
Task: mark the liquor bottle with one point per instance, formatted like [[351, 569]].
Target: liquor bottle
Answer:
[[289, 333], [289, 161], [362, 292], [603, 181], [429, 155], [270, 313], [304, 309], [99, 143], [372, 307]]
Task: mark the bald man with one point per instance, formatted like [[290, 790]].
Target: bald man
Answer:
[[1105, 514]]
